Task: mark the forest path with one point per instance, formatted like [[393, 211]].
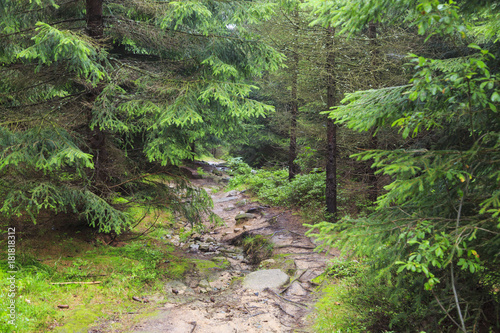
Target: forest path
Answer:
[[223, 303]]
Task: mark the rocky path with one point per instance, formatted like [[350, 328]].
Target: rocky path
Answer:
[[273, 296]]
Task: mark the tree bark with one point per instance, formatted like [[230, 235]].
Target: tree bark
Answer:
[[293, 168], [331, 160], [95, 23], [97, 138], [372, 177]]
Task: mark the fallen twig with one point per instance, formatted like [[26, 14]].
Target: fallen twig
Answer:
[[91, 282], [194, 326]]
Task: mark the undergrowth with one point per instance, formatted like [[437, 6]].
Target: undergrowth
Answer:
[[137, 268], [273, 187]]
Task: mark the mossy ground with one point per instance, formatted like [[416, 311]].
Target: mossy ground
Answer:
[[137, 266]]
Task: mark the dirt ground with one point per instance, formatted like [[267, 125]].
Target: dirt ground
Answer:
[[222, 304]]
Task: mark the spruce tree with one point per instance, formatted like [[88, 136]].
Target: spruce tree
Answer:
[[94, 94], [436, 225]]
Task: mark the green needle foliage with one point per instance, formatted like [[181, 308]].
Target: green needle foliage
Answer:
[[84, 119], [435, 234]]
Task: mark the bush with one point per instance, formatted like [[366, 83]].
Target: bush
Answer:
[[274, 187]]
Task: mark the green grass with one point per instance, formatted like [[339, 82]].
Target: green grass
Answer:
[[137, 268]]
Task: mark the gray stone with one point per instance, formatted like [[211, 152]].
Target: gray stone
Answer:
[[255, 210], [296, 289], [209, 239], [237, 229], [232, 193], [268, 262], [204, 284], [240, 218], [226, 199], [204, 247], [240, 203], [267, 278], [194, 247]]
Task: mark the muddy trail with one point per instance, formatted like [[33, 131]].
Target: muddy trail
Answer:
[[274, 295]]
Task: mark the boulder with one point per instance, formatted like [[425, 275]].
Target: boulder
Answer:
[[267, 278]]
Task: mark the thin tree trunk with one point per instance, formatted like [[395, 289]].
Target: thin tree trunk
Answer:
[[97, 138], [372, 177], [293, 168], [331, 160]]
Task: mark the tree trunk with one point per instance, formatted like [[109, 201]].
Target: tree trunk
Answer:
[[97, 138], [372, 177], [95, 23], [293, 168], [331, 160]]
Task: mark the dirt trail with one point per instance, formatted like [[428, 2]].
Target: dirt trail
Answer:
[[222, 304]]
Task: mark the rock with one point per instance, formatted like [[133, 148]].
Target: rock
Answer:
[[228, 209], [241, 203], [268, 262], [296, 289], [310, 275], [237, 229], [209, 240], [226, 199], [254, 210], [267, 278], [204, 247], [241, 218], [204, 284], [176, 287], [232, 193], [194, 247]]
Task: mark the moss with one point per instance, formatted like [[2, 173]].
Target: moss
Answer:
[[81, 319], [208, 268]]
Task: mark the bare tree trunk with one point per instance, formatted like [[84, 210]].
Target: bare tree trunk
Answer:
[[95, 23], [294, 107], [331, 160], [372, 177], [97, 138]]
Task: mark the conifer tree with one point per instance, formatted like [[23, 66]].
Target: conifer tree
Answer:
[[436, 226], [96, 93]]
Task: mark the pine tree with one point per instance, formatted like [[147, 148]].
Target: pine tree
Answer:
[[96, 93], [436, 226]]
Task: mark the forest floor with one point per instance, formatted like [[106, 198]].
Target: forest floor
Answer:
[[222, 302], [171, 278]]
